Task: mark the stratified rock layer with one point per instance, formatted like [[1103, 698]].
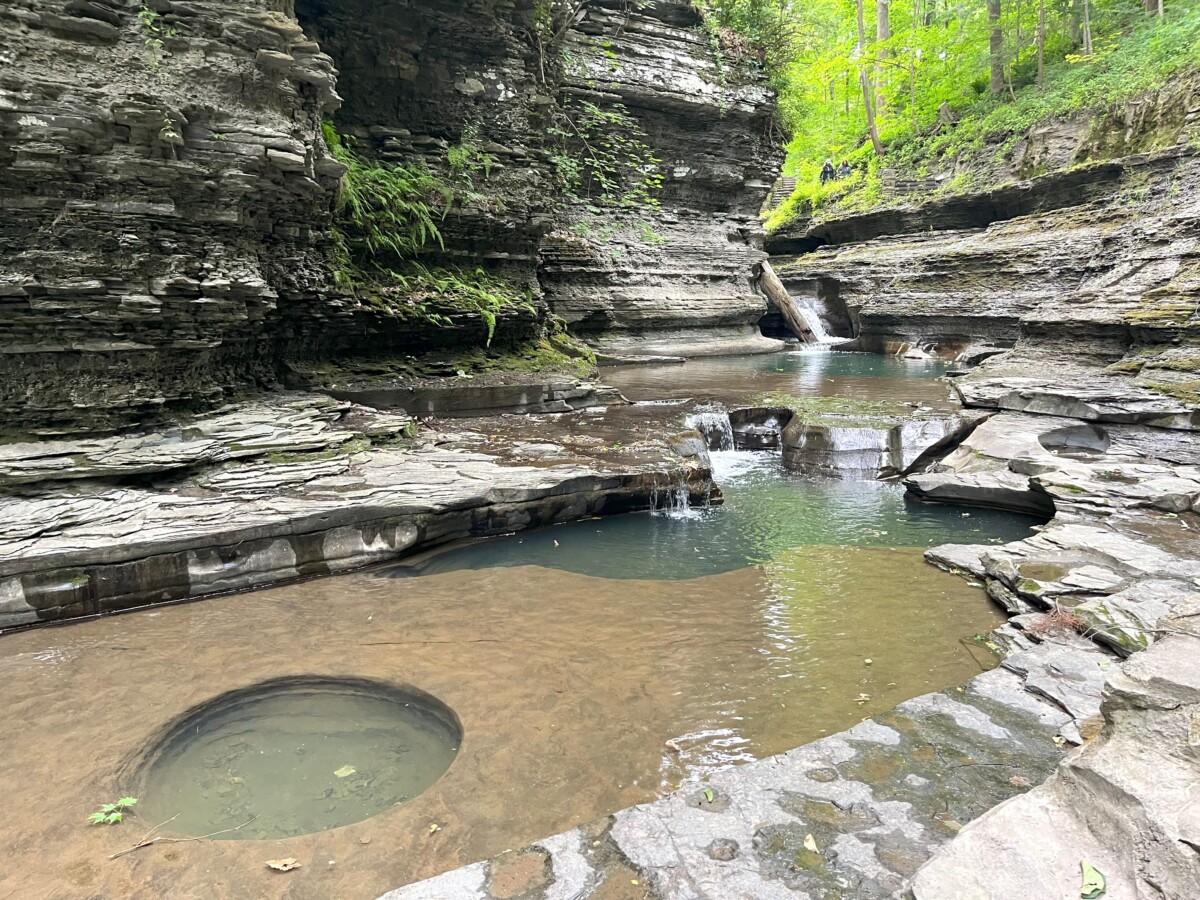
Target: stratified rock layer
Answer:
[[167, 193]]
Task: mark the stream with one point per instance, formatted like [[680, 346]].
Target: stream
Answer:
[[593, 665]]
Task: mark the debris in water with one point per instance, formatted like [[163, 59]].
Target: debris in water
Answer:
[[345, 771], [283, 865], [672, 746], [810, 844]]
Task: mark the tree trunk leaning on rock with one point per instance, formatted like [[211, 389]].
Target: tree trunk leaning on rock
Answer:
[[778, 294]]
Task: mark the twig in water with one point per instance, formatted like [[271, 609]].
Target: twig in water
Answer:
[[159, 839]]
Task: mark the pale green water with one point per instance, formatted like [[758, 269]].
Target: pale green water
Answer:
[[294, 759], [767, 511]]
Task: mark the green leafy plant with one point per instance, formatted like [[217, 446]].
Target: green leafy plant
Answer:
[[112, 813], [154, 36], [467, 159], [602, 155], [387, 215], [385, 208]]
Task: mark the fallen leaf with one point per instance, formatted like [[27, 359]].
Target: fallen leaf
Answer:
[[1060, 741], [810, 843], [364, 840], [633, 881], [708, 795], [434, 827], [868, 662], [1094, 884], [283, 865], [345, 771]]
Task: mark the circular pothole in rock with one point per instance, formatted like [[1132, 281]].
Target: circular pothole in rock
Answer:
[[295, 756]]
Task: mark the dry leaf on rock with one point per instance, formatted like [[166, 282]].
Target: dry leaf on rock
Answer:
[[283, 865]]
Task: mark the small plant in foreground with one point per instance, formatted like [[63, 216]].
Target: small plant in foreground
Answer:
[[112, 813]]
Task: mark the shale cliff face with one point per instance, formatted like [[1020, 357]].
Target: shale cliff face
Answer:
[[167, 195], [675, 278], [1093, 258], [157, 184]]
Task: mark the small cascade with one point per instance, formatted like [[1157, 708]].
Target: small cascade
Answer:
[[800, 313], [808, 310], [673, 500], [714, 424]]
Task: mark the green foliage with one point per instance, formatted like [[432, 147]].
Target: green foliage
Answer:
[[384, 208], [763, 32], [467, 160], [154, 36], [388, 214], [602, 157], [439, 294], [112, 813], [930, 83]]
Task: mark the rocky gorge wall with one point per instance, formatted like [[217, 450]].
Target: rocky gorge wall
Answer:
[[167, 194], [1095, 250]]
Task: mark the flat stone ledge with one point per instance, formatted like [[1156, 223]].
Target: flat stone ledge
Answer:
[[851, 815], [327, 487]]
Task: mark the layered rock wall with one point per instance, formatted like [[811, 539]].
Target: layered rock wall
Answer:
[[1103, 246], [167, 194], [158, 173], [677, 277]]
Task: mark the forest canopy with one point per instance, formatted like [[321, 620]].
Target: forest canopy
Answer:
[[918, 85]]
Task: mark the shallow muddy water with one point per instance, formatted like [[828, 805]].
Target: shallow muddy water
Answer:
[[568, 688], [739, 380]]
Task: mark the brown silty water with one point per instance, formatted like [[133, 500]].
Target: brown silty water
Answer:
[[737, 381], [568, 688], [578, 695]]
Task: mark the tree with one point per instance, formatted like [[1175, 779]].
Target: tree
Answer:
[[1041, 44], [883, 31], [864, 78], [996, 48]]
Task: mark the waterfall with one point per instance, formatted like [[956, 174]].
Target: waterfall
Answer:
[[714, 424], [674, 501], [809, 312]]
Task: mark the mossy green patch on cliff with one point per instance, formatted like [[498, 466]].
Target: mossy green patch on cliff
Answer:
[[437, 295], [1186, 391]]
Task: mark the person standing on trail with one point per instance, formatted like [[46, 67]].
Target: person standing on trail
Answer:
[[827, 171]]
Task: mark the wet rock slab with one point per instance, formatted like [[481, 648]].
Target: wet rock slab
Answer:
[[1126, 802], [288, 487], [852, 815]]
